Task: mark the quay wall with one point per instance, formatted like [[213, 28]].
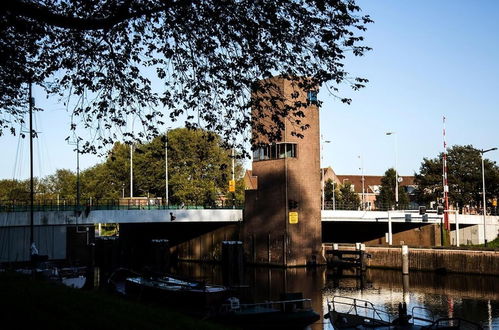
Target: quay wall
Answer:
[[452, 261]]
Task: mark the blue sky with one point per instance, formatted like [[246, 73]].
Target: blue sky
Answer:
[[429, 59]]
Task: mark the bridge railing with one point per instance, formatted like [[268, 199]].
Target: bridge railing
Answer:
[[105, 204], [342, 206]]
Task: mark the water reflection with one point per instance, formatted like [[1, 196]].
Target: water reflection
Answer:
[[475, 298]]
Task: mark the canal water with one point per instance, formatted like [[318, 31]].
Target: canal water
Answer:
[[475, 298]]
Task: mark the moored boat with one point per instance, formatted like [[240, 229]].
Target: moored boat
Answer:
[[288, 314], [176, 292], [347, 313]]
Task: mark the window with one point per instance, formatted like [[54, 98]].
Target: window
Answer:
[[290, 150], [312, 97], [275, 151]]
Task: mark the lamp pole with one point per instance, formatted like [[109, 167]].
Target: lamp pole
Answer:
[[131, 170], [362, 169], [483, 194], [322, 166], [166, 168], [396, 171], [233, 177]]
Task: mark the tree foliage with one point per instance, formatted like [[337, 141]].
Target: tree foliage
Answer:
[[386, 197], [328, 190], [464, 177], [102, 58], [344, 195], [199, 168], [348, 198]]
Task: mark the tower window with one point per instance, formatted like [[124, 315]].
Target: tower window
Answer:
[[312, 97], [275, 151]]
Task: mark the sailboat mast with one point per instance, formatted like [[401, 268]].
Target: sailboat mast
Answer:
[[32, 191]]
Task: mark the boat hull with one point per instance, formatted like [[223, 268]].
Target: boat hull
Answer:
[[269, 319], [193, 298]]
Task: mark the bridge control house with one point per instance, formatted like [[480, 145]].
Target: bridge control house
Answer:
[[282, 219]]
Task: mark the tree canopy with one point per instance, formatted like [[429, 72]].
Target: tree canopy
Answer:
[[345, 197], [198, 61], [386, 198], [199, 169], [464, 177]]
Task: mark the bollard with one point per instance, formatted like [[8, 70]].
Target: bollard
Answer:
[[363, 266], [390, 236], [405, 259]]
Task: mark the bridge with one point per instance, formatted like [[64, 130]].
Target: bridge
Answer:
[[51, 223], [103, 215]]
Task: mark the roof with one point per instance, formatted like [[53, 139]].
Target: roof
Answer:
[[250, 181], [370, 182]]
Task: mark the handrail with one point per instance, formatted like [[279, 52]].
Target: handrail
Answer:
[[367, 306], [104, 204], [444, 321], [280, 303]]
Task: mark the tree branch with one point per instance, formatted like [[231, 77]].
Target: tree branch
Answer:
[[44, 15]]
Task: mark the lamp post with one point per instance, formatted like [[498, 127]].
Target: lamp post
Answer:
[[166, 168], [362, 170], [396, 171], [483, 193], [131, 171], [233, 177], [322, 181]]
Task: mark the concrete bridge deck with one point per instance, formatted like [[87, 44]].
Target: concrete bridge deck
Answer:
[[8, 219]]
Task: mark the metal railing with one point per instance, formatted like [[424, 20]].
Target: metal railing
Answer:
[[106, 204], [329, 205]]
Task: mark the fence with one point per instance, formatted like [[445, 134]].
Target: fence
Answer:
[[105, 204]]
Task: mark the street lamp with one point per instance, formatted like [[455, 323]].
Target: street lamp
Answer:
[[396, 172], [362, 169], [322, 181], [131, 171], [166, 168], [483, 193]]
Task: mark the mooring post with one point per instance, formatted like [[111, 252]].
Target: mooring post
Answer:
[[405, 259], [389, 228], [268, 249], [363, 266]]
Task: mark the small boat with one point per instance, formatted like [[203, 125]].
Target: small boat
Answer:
[[74, 277], [347, 313], [288, 314], [176, 292]]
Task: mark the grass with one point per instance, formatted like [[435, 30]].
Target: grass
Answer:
[[493, 244], [30, 303]]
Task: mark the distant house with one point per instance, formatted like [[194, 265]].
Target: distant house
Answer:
[[368, 186], [367, 192]]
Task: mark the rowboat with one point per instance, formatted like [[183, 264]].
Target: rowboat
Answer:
[[174, 291]]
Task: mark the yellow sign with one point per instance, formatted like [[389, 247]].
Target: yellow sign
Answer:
[[293, 217], [232, 185], [494, 202]]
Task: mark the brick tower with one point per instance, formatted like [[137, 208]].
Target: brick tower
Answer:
[[282, 220]]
